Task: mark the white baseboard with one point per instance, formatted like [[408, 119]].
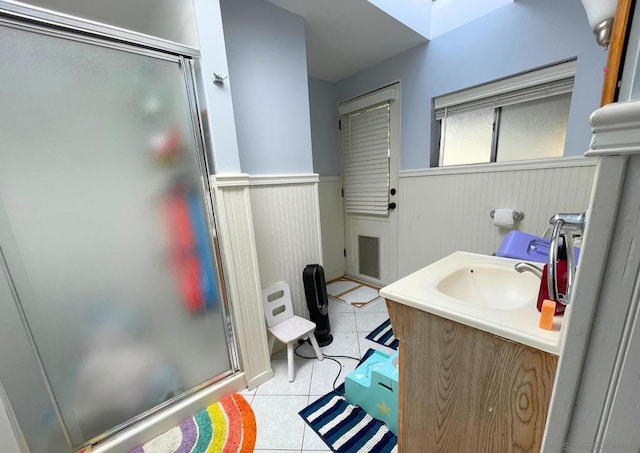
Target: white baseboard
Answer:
[[260, 379]]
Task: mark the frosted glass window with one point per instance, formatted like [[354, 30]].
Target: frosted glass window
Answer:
[[517, 118], [534, 129], [467, 137]]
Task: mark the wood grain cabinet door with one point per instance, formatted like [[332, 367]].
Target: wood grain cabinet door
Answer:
[[465, 390]]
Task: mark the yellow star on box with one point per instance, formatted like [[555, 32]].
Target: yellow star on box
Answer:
[[384, 409]]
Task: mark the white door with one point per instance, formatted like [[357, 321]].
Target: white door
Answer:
[[370, 138]]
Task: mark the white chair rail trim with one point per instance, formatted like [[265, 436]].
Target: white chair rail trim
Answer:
[[243, 179], [616, 129], [534, 164]]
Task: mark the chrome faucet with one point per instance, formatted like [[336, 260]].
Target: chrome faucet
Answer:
[[527, 267], [563, 225]]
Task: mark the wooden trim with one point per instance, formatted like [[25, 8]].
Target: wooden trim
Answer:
[[359, 284], [621, 26], [346, 278]]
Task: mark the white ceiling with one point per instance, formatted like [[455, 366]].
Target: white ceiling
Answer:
[[345, 37]]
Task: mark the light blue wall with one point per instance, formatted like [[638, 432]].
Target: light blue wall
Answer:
[[219, 124], [519, 37], [448, 15], [266, 51], [415, 14], [324, 127]]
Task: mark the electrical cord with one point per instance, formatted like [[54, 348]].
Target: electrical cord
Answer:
[[330, 357]]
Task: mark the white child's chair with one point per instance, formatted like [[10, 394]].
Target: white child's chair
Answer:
[[283, 324]]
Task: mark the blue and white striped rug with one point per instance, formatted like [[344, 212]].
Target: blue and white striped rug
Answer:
[[347, 428], [383, 335]]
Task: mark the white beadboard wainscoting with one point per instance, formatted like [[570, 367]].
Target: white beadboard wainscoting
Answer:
[[332, 226], [447, 209], [286, 221], [242, 279]]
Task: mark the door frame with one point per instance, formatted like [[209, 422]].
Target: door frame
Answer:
[[394, 168]]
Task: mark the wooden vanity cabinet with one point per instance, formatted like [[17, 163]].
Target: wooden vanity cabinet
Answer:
[[466, 390]]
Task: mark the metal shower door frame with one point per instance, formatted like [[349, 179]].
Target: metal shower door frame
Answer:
[[34, 20]]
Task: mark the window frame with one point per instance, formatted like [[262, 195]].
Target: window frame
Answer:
[[540, 83]]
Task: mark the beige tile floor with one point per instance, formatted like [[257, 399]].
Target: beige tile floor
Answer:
[[277, 402]]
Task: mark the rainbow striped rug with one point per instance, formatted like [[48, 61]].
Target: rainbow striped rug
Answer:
[[229, 426]]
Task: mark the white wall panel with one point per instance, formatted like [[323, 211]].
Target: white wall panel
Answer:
[[332, 226], [441, 212], [287, 230], [238, 251]]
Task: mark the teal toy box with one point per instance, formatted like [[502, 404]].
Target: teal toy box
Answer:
[[374, 387]]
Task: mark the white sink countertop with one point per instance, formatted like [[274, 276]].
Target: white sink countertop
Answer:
[[480, 291]]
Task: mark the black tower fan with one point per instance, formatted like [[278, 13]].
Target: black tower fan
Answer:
[[315, 290]]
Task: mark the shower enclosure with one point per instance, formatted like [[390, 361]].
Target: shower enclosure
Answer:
[[111, 296]]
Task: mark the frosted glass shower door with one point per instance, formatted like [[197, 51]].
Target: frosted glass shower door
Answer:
[[104, 226]]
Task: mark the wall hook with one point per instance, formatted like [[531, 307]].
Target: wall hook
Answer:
[[219, 79]]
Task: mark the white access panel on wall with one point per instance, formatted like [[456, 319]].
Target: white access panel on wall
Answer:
[[362, 232]]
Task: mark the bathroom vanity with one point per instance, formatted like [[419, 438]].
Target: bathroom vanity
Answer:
[[476, 373]]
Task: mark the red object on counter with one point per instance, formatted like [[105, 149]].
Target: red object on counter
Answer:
[[543, 293]]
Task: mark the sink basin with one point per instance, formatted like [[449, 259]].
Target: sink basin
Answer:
[[491, 286], [480, 291]]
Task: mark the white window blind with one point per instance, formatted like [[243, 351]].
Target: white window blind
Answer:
[[514, 97], [365, 160], [530, 86]]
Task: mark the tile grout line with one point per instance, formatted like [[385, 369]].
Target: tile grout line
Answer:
[[304, 428], [304, 425]]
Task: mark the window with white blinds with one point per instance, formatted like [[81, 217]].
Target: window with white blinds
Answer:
[[534, 93], [518, 118], [365, 159]]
